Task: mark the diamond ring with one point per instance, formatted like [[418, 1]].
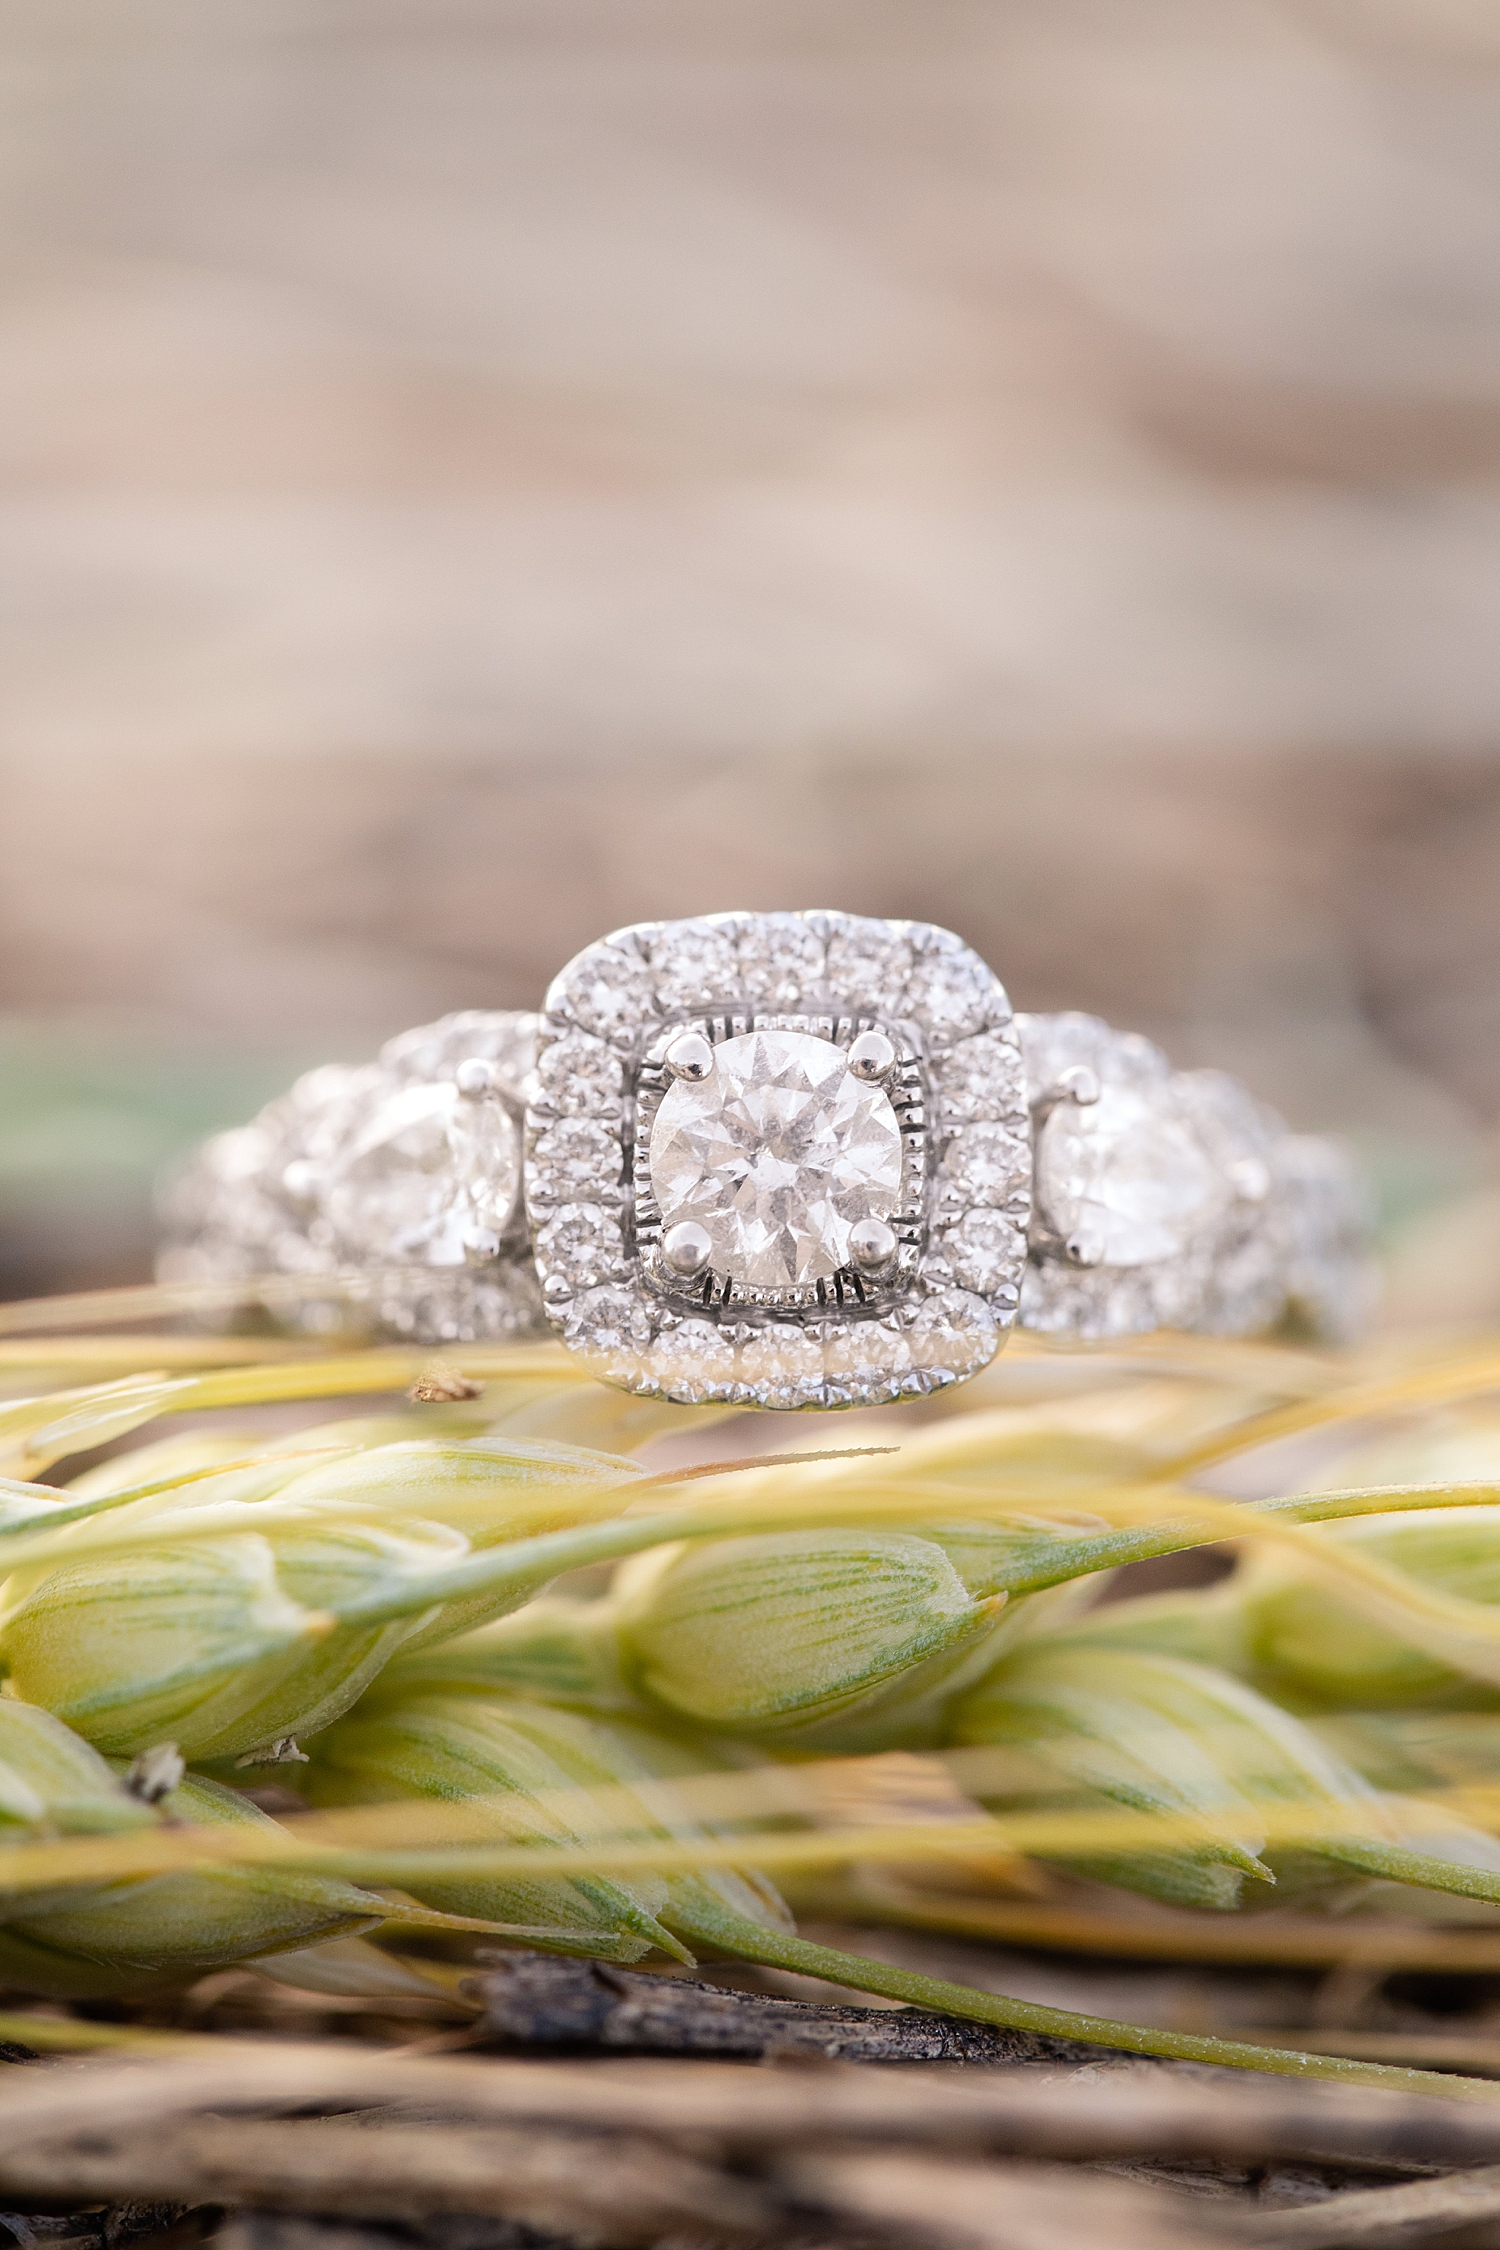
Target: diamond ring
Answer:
[[777, 1160]]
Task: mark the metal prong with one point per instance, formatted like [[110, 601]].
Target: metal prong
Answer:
[[481, 1246], [871, 1243], [1077, 1084], [475, 1078], [690, 1057], [871, 1056], [1250, 1178], [687, 1247], [1085, 1248]]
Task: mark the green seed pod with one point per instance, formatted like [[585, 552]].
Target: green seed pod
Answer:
[[1157, 1734], [51, 1784], [522, 1772], [835, 1640], [231, 1641], [85, 1939], [187, 1454], [1205, 1627], [1310, 1643], [95, 1941], [1103, 1726], [293, 1452], [557, 1650], [1416, 1750]]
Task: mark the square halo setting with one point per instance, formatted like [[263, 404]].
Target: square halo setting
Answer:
[[781, 1314]]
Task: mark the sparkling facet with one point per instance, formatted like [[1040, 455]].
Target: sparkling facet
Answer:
[[584, 1243], [868, 964], [951, 1335], [611, 1330], [577, 1161], [782, 1365], [952, 993], [977, 1078], [1128, 1175], [984, 1164], [780, 958], [778, 1154], [605, 990], [435, 1050], [695, 1362], [581, 1076], [693, 965], [984, 1251], [871, 1358], [426, 1167]]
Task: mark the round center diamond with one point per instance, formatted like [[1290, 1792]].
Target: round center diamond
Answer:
[[1125, 1178], [778, 1153]]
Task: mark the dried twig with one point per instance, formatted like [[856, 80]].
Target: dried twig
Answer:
[[618, 2192], [1010, 2207], [1383, 2218], [1131, 2112], [1138, 1931], [542, 1999]]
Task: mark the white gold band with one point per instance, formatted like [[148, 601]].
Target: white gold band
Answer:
[[777, 1160]]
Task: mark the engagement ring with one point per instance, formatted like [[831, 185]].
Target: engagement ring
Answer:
[[775, 1160]]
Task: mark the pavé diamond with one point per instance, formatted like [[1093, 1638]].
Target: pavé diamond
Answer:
[[984, 1250], [604, 991], [953, 992], [868, 964], [694, 965], [966, 1080], [696, 1362], [778, 1154], [582, 1077], [985, 1164], [1125, 1177], [780, 958], [581, 1160], [584, 1243], [782, 1365]]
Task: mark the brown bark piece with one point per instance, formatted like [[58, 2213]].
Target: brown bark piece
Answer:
[[540, 1999]]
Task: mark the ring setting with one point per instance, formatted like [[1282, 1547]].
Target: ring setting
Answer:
[[759, 1213], [776, 1160]]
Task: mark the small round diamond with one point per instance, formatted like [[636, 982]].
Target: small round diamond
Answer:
[[869, 1359], [584, 1243], [581, 1077], [984, 1164], [980, 1077], [576, 1161], [782, 1365], [953, 995], [693, 965], [695, 1362], [605, 991], [778, 1155], [868, 965], [984, 1251], [780, 958], [611, 1331], [952, 1334]]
